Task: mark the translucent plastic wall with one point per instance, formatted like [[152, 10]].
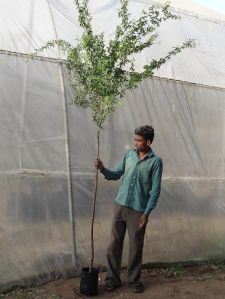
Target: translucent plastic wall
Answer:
[[189, 121], [47, 152], [35, 231]]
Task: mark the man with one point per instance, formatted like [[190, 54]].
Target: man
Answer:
[[141, 172]]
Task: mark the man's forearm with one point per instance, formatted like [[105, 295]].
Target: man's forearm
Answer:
[[110, 174]]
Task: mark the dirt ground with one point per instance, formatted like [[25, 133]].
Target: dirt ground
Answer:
[[175, 282]]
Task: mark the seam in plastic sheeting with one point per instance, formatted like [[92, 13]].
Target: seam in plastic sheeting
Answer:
[[61, 13], [28, 56], [24, 90], [53, 24], [165, 178], [32, 172], [204, 178]]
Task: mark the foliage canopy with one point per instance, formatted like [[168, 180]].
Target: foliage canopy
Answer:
[[100, 72]]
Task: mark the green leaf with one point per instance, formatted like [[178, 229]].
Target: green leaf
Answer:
[[101, 73]]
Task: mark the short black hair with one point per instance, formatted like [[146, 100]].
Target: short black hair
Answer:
[[145, 131]]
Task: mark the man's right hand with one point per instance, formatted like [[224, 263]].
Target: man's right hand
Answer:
[[98, 164]]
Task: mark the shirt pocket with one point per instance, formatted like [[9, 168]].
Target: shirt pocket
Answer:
[[144, 174]]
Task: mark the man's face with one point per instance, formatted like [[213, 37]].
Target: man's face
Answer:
[[140, 143]]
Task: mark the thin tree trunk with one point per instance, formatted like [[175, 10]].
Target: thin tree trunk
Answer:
[[94, 203]]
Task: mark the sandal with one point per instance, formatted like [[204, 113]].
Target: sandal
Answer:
[[137, 287], [110, 285]]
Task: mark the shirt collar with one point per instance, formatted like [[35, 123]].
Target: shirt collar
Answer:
[[149, 154]]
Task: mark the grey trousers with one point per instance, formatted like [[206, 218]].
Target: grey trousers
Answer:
[[125, 218]]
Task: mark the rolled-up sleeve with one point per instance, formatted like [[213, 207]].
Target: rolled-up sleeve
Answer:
[[117, 172]]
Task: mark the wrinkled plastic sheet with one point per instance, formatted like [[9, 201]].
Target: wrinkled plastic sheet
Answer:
[[21, 31], [36, 231]]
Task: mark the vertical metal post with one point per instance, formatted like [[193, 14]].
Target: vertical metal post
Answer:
[[69, 175], [24, 91]]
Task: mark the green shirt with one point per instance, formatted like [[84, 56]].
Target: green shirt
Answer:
[[141, 180]]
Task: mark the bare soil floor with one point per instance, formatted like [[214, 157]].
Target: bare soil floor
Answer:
[[175, 282]]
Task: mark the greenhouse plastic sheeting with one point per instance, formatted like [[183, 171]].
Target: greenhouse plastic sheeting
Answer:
[[22, 31], [47, 152]]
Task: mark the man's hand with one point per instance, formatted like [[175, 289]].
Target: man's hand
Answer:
[[143, 220], [98, 164]]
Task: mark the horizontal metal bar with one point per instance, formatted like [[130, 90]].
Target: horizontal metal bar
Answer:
[[89, 173], [28, 56], [32, 172], [56, 60]]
